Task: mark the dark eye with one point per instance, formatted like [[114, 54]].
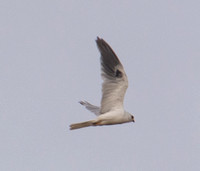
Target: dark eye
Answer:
[[131, 117]]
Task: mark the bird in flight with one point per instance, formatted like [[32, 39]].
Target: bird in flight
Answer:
[[115, 83]]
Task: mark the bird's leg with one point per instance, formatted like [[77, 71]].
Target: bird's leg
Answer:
[[97, 123]]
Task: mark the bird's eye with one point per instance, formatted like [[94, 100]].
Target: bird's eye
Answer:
[[131, 117]]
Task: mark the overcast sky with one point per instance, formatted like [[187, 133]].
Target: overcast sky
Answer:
[[49, 61]]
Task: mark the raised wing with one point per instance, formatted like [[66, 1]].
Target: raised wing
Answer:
[[115, 81]]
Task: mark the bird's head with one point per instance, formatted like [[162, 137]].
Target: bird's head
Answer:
[[130, 117]]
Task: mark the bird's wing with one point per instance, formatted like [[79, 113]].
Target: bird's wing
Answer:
[[91, 108], [115, 81]]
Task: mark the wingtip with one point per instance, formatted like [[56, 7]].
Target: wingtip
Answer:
[[81, 102], [98, 39], [101, 42]]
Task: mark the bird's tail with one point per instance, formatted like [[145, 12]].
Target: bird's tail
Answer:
[[81, 125]]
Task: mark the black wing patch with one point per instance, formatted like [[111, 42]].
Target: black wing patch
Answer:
[[109, 60], [118, 74]]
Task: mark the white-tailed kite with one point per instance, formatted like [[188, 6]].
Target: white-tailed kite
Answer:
[[114, 87]]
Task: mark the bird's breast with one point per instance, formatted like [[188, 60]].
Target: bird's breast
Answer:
[[113, 117]]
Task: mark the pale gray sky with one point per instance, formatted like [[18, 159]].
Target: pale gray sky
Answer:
[[49, 61]]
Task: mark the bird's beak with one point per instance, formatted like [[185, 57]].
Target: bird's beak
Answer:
[[133, 120]]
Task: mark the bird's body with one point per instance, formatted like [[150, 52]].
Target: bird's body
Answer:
[[114, 87], [109, 118]]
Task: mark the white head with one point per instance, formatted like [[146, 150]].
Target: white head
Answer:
[[130, 117]]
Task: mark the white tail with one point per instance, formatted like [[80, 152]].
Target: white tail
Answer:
[[81, 125]]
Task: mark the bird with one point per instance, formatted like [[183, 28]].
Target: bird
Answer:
[[114, 86]]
